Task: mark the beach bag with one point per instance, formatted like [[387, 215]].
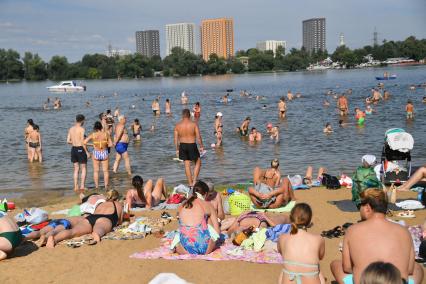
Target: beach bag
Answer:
[[35, 216], [239, 203], [330, 182]]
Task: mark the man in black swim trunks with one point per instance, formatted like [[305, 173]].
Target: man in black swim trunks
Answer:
[[78, 154], [185, 134]]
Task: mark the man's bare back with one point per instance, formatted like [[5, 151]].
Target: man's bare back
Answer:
[[378, 240], [76, 136], [186, 131]]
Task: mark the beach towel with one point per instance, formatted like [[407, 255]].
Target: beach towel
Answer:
[[410, 205], [226, 252], [283, 209], [161, 206], [273, 233]]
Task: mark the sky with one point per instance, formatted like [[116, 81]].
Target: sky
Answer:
[[77, 27]]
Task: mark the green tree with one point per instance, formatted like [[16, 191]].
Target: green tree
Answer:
[[93, 73], [216, 64], [236, 66], [58, 68], [11, 66], [34, 67]]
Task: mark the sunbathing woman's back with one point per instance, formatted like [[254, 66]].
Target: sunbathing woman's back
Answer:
[[301, 250]]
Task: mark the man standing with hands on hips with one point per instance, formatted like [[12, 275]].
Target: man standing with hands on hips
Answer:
[[185, 135]]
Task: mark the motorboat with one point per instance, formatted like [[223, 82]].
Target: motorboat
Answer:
[[67, 86]]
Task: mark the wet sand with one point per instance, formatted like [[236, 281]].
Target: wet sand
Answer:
[[109, 262]]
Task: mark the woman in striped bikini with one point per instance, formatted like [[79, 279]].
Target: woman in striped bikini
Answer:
[[100, 141]]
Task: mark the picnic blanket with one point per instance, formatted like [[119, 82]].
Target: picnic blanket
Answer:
[[228, 251], [286, 208]]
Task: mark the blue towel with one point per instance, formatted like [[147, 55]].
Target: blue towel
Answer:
[[274, 233], [300, 186]]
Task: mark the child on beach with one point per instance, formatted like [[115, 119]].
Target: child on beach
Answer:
[[409, 108], [301, 251]]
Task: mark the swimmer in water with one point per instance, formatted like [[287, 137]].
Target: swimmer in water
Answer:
[[275, 134], [155, 107], [88, 104], [168, 107], [386, 95], [424, 100], [327, 129], [359, 116], [136, 130], [184, 98], [298, 95], [78, 155], [255, 135], [264, 107], [289, 95], [343, 124], [409, 108], [219, 137], [369, 110], [28, 129], [243, 129], [326, 103], [282, 108], [34, 144]]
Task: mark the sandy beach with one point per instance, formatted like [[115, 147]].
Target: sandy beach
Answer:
[[109, 261]]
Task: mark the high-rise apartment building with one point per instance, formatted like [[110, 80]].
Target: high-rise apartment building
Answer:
[[148, 42], [314, 34], [180, 35], [217, 36], [270, 45]]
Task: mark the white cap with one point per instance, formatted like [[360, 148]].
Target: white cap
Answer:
[[219, 114], [369, 159]]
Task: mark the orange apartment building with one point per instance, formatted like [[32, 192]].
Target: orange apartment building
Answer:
[[217, 36]]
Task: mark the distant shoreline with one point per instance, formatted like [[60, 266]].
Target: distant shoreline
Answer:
[[200, 75]]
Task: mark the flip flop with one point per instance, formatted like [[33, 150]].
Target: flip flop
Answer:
[[90, 242], [406, 214]]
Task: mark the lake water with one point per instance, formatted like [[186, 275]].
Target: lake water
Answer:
[[302, 141]]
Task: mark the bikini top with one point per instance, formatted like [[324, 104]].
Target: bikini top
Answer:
[[113, 217], [292, 276], [100, 142]]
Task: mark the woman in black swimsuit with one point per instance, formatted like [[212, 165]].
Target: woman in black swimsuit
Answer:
[[106, 216]]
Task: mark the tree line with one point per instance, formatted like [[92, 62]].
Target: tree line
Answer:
[[182, 63]]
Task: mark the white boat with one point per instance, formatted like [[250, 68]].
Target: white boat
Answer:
[[67, 86]]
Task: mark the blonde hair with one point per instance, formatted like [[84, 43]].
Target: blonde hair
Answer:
[[112, 194], [300, 217], [376, 198], [381, 273], [121, 117]]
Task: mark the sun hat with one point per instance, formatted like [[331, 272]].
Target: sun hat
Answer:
[[269, 125], [369, 159], [219, 114]]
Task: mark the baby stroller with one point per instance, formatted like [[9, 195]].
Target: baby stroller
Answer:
[[396, 157]]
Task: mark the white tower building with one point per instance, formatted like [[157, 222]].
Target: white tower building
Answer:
[[341, 39], [180, 35], [270, 45]]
